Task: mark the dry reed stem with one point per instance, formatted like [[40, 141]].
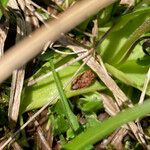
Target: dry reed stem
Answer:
[[147, 79], [28, 48], [17, 75], [24, 27], [41, 135], [33, 81]]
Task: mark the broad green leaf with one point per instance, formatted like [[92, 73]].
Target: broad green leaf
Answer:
[[112, 45], [126, 49], [112, 48], [131, 74], [36, 96], [124, 19]]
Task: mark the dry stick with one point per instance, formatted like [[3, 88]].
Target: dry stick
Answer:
[[33, 81], [54, 16], [44, 107], [28, 48], [147, 79], [23, 29], [118, 138], [15, 96], [18, 74], [41, 136]]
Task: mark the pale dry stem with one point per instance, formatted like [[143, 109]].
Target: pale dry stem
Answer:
[[18, 75], [33, 81], [147, 79], [14, 59]]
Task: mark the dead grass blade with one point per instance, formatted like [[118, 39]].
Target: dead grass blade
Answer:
[[147, 79], [24, 27], [18, 75], [41, 136]]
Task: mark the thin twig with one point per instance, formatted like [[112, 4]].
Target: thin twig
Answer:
[[66, 53], [41, 136], [18, 75], [147, 79], [33, 81]]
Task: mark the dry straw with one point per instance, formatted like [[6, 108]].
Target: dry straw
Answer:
[[29, 47]]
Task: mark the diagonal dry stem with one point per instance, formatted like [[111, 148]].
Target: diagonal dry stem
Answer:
[[33, 44], [33, 81]]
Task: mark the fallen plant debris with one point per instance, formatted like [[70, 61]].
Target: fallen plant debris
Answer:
[[86, 89]]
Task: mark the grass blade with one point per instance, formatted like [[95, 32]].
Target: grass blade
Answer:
[[98, 132], [63, 99]]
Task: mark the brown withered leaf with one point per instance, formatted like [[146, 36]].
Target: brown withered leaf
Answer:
[[83, 80]]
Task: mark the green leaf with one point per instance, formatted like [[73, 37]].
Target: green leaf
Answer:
[[124, 19], [125, 51], [98, 132], [91, 102], [130, 73], [113, 47], [36, 96], [92, 120], [72, 119]]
